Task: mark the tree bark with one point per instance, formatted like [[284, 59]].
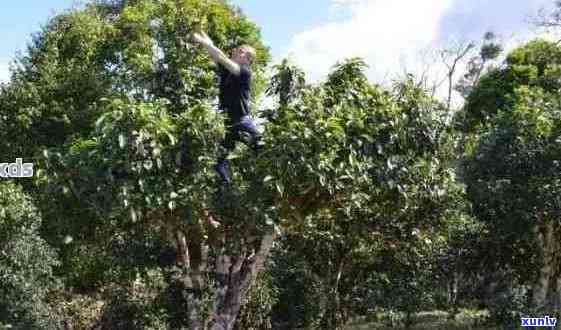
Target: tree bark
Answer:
[[234, 275], [193, 255], [234, 272], [546, 291]]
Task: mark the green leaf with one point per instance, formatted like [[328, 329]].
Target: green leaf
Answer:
[[267, 178], [122, 141]]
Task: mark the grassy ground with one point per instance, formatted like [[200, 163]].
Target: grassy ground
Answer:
[[465, 320]]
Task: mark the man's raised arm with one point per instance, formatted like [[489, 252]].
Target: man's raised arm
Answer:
[[215, 53]]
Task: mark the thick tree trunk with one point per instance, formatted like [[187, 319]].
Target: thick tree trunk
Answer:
[[234, 270], [332, 315], [234, 276], [559, 294], [193, 255], [339, 318], [547, 291], [454, 289]]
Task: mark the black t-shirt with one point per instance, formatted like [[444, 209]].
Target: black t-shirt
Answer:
[[235, 92]]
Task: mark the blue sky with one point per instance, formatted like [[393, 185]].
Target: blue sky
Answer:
[[19, 19], [388, 34], [279, 20]]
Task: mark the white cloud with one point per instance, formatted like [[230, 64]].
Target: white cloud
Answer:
[[384, 33], [397, 35]]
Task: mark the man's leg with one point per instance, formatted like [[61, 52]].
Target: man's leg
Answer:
[[184, 159], [228, 144], [246, 124], [223, 169]]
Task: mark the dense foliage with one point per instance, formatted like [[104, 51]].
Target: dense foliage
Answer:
[[26, 264], [512, 170]]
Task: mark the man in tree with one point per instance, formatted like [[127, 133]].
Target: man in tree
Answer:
[[235, 87]]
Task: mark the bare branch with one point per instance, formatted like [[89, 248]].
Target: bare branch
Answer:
[[451, 57]]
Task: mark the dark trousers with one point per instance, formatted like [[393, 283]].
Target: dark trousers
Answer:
[[233, 135]]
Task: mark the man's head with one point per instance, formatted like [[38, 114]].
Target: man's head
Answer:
[[243, 55]]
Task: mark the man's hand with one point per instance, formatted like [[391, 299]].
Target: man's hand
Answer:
[[202, 38], [216, 54]]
